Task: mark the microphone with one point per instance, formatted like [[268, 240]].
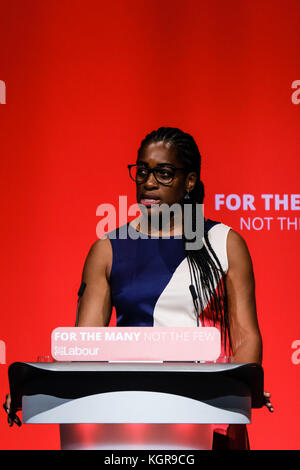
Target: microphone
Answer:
[[80, 294], [194, 295]]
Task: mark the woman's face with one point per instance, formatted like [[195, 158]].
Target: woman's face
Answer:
[[162, 155]]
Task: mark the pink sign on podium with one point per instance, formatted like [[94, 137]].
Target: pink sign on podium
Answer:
[[135, 344]]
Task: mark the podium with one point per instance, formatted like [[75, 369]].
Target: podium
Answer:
[[164, 402]]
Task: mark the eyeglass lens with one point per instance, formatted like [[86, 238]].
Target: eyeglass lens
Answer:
[[140, 174]]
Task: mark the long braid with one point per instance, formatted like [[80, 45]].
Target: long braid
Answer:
[[206, 271], [208, 278]]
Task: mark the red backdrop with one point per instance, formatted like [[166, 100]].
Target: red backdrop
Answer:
[[82, 82]]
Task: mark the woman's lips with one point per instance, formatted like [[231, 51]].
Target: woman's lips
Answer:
[[149, 202]]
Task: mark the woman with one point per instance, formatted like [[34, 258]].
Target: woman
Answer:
[[176, 160], [148, 279]]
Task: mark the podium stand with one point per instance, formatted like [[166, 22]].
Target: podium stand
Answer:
[[139, 405]]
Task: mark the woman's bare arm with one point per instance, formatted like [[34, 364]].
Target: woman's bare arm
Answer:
[[95, 305], [244, 330]]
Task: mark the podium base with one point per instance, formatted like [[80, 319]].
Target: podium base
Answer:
[[136, 436]]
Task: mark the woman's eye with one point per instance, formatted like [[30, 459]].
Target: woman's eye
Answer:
[[166, 174], [141, 171]]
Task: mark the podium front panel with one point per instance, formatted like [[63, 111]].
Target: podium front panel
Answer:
[[136, 392]]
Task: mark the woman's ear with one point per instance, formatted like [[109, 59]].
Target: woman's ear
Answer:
[[190, 181]]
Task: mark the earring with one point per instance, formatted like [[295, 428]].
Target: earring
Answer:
[[187, 197]]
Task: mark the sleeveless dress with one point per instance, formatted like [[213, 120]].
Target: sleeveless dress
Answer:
[[150, 277]]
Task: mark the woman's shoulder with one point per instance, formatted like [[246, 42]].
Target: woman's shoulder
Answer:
[[100, 252], [229, 245], [219, 230], [237, 250]]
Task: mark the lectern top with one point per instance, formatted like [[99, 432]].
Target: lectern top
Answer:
[[134, 366]]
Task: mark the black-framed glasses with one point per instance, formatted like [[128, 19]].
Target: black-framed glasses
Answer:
[[163, 175]]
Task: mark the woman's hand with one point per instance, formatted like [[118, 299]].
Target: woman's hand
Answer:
[[11, 417], [268, 404]]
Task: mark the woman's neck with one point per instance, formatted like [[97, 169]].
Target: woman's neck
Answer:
[[156, 228]]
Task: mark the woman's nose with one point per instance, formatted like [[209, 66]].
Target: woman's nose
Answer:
[[151, 181]]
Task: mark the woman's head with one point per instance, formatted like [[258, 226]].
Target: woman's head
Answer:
[[173, 147]]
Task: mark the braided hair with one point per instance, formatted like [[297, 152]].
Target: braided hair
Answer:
[[206, 271]]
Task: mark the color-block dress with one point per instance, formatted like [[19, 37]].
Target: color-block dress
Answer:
[[150, 277]]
